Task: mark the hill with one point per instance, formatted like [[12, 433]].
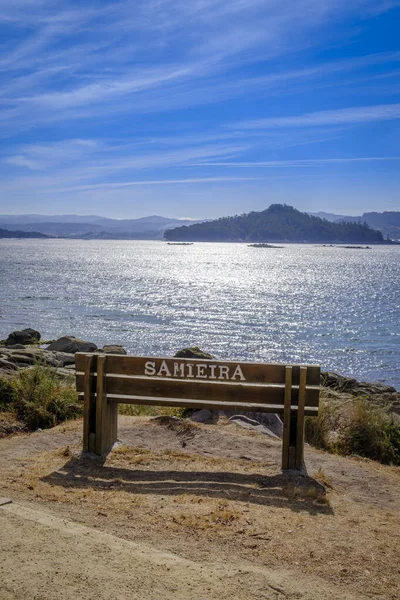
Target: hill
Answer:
[[280, 223], [6, 233]]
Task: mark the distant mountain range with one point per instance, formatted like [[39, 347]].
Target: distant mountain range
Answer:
[[92, 226], [278, 223], [388, 222], [153, 227]]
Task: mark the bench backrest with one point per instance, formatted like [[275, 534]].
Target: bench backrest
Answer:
[[106, 380]]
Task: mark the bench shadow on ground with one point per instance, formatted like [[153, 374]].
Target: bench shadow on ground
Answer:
[[297, 492]]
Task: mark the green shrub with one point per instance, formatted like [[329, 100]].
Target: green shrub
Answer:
[[7, 394], [42, 400], [371, 433]]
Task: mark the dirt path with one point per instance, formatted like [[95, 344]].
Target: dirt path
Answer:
[[192, 511], [58, 558]]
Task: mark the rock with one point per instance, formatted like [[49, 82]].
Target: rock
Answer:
[[22, 365], [24, 359], [65, 374], [113, 349], [65, 358], [16, 347], [352, 386], [270, 421], [252, 424], [201, 416], [71, 345], [31, 357], [6, 365], [193, 352], [26, 336], [48, 358]]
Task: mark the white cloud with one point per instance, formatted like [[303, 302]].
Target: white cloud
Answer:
[[39, 157], [151, 182], [273, 164], [22, 161], [341, 116]]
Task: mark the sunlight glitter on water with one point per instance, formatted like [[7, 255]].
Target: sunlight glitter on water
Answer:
[[302, 303]]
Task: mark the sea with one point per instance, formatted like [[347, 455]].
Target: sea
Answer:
[[331, 306]]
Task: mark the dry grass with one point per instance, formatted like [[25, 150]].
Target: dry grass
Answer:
[[370, 433], [226, 508], [134, 410], [222, 515], [323, 478]]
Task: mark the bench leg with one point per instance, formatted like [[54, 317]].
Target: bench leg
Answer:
[[89, 404], [300, 419], [106, 412], [293, 423], [287, 417]]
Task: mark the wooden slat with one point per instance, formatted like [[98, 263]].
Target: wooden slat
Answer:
[[300, 418], [286, 417], [211, 404], [204, 390], [253, 372]]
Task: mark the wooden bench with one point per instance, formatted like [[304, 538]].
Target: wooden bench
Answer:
[[104, 381]]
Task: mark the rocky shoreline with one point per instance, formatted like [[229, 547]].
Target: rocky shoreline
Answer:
[[24, 349]]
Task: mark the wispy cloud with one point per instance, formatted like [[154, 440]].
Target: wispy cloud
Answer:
[[94, 158], [311, 162], [341, 116], [39, 157], [151, 182], [78, 61]]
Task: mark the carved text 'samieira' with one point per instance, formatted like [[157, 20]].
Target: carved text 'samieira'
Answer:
[[200, 370]]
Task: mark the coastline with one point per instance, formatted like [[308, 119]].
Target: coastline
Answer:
[[60, 355]]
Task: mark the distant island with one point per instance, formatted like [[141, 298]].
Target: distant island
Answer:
[[263, 245], [278, 223], [6, 233]]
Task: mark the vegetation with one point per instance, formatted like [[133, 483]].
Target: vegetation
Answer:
[[318, 430], [370, 433], [277, 223], [133, 410], [366, 431], [38, 398], [7, 394]]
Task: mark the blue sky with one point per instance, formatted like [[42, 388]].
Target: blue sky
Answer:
[[199, 108]]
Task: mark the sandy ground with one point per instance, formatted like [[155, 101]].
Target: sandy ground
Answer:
[[192, 511]]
